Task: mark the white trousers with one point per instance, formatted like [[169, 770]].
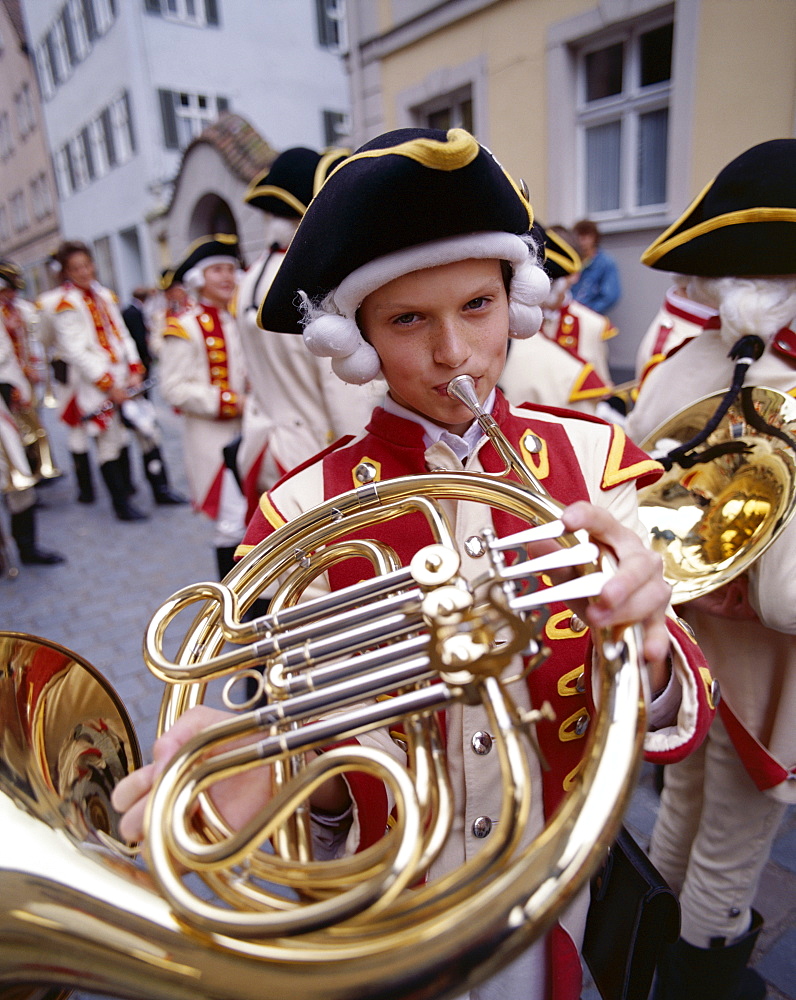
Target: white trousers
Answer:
[[712, 839]]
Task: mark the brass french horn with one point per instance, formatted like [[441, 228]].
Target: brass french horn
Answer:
[[711, 517], [220, 913]]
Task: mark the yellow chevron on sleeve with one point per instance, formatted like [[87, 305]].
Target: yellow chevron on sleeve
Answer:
[[614, 473], [609, 330], [175, 329], [64, 306]]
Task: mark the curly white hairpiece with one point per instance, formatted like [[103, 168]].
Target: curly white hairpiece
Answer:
[[762, 306], [330, 328], [195, 277]]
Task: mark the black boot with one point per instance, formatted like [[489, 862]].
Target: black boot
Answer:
[[113, 474], [23, 531], [127, 477], [155, 472], [716, 973], [85, 484]]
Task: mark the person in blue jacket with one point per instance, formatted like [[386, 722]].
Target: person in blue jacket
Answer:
[[598, 286]]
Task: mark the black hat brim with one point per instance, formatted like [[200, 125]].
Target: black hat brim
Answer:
[[402, 189], [742, 224]]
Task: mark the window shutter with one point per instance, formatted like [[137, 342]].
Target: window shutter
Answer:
[[69, 33], [153, 7], [48, 41], [88, 153], [91, 21], [211, 12], [107, 128], [130, 127], [169, 119], [222, 105], [70, 168]]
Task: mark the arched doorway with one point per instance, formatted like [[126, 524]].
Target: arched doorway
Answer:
[[211, 214]]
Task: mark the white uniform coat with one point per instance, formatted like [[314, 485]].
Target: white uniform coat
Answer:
[[93, 367], [754, 661], [202, 375], [298, 405]]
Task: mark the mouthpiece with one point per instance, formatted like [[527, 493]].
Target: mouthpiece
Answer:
[[462, 387]]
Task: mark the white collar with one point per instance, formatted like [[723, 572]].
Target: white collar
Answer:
[[462, 446]]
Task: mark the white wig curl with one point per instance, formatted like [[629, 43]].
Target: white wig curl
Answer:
[[195, 277], [762, 306], [330, 328]]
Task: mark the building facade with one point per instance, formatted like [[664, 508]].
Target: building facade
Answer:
[[29, 228], [127, 86], [621, 111]]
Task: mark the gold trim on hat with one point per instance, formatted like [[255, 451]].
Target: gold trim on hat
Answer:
[[457, 151], [666, 242], [271, 190]]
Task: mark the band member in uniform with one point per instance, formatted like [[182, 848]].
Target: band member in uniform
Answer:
[[203, 376], [426, 278], [297, 404], [19, 318], [721, 808], [550, 369], [678, 320], [104, 371], [17, 480]]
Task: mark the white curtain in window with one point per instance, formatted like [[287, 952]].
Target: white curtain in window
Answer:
[[603, 144], [652, 145]]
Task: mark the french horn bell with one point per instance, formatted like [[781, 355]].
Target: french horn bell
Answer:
[[244, 914], [713, 517]]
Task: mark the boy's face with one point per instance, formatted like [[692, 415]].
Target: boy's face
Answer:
[[79, 269], [219, 283], [431, 325]]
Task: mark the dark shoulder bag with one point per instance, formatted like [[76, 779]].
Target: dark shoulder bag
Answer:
[[632, 915]]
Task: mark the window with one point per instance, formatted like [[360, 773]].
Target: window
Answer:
[[330, 16], [26, 116], [64, 175], [40, 197], [19, 211], [80, 164], [623, 121], [98, 136], [196, 12], [121, 124], [185, 115], [59, 51], [104, 14], [75, 21], [6, 138], [454, 110], [44, 71], [335, 128]]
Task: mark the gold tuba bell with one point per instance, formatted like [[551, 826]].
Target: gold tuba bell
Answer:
[[716, 510], [247, 914]]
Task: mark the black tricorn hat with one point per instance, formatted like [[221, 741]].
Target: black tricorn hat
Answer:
[[287, 186], [217, 245], [560, 259], [401, 189], [11, 274], [742, 224]]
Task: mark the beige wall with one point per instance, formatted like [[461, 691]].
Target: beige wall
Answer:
[[745, 82], [735, 86], [510, 38]]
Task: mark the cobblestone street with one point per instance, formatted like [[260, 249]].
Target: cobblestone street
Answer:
[[100, 601]]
